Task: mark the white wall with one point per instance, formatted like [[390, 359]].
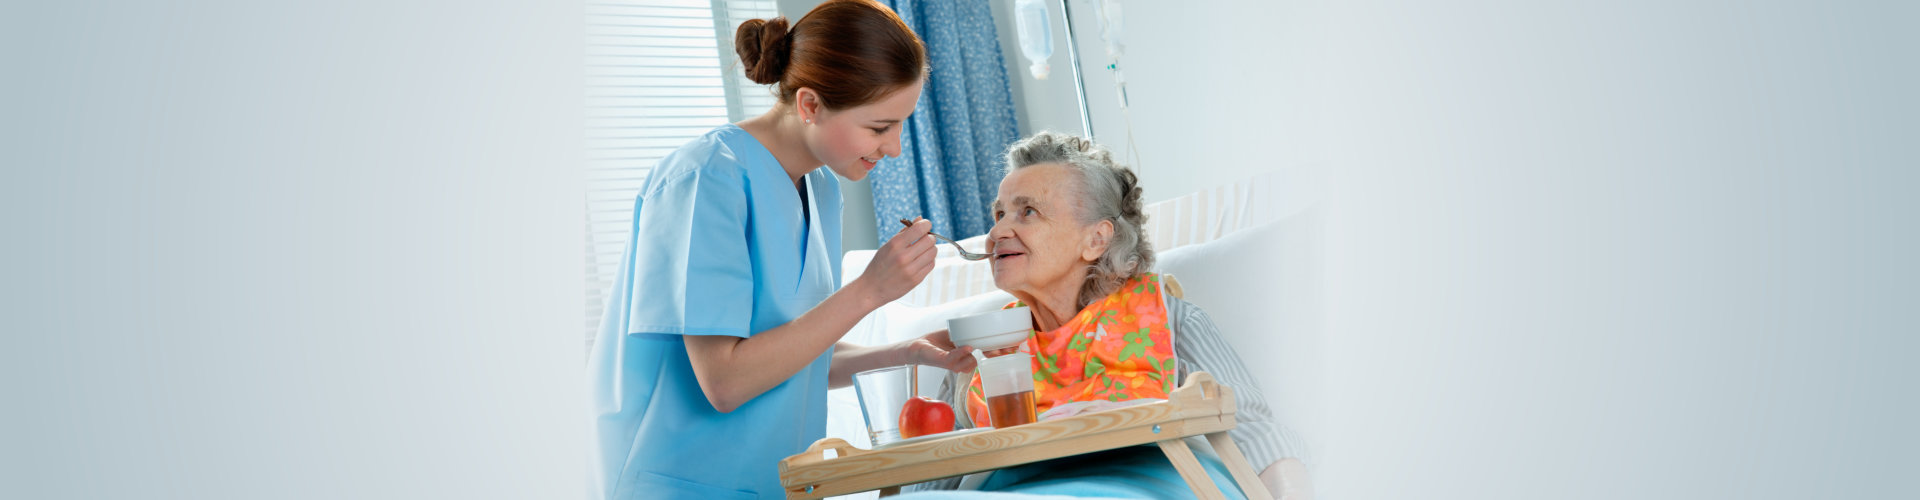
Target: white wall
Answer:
[[1212, 98], [291, 250], [1621, 249], [1574, 251]]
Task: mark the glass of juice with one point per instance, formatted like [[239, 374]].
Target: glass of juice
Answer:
[[1007, 380]]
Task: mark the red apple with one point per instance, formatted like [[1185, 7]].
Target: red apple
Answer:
[[924, 416]]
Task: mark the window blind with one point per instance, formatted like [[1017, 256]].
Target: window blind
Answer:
[[659, 73]]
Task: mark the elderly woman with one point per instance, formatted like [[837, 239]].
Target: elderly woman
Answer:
[[1067, 243]]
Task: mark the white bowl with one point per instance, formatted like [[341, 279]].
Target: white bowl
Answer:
[[991, 330]]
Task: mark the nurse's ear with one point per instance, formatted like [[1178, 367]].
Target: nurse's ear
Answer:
[[806, 102]]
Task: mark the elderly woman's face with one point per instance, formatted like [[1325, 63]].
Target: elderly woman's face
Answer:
[[1037, 241]]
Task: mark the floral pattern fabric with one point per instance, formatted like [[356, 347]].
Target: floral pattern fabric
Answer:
[[1116, 349]]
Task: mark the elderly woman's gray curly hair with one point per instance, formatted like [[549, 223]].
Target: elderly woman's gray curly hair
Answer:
[[1106, 191]]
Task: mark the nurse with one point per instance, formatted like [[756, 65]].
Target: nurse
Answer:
[[722, 332]]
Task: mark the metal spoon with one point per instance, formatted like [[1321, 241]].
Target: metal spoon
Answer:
[[964, 254]]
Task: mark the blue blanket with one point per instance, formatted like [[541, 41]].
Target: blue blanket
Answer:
[[1133, 472]]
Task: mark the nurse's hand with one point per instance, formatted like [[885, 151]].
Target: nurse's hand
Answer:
[[936, 350], [900, 264]]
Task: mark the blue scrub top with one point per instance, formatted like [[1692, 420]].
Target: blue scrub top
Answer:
[[721, 246]]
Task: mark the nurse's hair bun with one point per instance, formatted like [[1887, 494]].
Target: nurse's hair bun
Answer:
[[765, 47]]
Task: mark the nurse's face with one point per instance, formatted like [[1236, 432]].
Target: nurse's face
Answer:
[[1039, 246], [852, 140]]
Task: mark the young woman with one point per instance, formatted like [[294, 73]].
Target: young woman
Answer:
[[722, 332]]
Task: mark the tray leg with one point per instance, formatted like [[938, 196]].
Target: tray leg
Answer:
[[1243, 474], [1190, 469]]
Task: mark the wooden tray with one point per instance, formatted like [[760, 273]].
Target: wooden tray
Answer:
[[1198, 407]]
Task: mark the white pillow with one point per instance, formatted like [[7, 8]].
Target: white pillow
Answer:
[[1262, 286]]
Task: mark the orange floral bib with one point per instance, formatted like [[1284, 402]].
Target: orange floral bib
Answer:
[[1116, 349]]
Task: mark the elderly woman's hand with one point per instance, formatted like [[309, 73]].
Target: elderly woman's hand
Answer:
[[936, 350]]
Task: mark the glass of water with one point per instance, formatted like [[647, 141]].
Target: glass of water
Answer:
[[882, 393]]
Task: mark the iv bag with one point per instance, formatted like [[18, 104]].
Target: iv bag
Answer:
[[1110, 23], [1036, 35]]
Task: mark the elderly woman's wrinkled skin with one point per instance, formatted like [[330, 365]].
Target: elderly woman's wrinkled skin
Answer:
[[1040, 247]]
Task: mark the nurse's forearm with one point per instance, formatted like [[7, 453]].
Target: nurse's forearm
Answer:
[[734, 370], [850, 358]]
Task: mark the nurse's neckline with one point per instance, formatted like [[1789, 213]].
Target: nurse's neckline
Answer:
[[778, 130]]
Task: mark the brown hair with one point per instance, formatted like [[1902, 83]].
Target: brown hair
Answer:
[[852, 52]]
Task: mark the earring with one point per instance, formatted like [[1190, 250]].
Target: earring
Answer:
[[809, 121]]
